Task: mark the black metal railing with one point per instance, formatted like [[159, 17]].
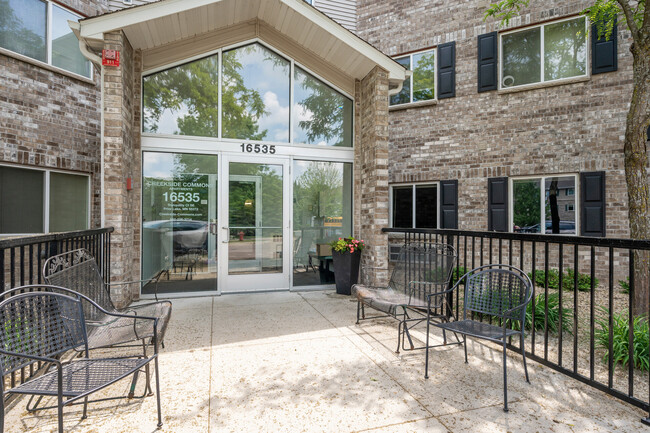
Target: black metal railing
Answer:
[[22, 260], [590, 283]]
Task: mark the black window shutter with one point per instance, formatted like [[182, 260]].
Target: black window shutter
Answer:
[[604, 53], [447, 70], [498, 204], [592, 204], [449, 204], [487, 62]]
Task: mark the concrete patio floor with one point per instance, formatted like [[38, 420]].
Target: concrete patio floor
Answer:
[[296, 362]]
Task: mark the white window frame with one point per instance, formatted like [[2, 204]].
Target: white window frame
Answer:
[[48, 43], [413, 210], [435, 76], [542, 196], [46, 197], [293, 63], [541, 69]]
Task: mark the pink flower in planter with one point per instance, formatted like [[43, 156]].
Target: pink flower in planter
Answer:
[[351, 250]]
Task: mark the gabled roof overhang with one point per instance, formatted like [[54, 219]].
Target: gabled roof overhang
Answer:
[[183, 26]]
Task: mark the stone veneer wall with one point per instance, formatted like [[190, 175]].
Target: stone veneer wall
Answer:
[[122, 161], [51, 120], [371, 174], [555, 129]]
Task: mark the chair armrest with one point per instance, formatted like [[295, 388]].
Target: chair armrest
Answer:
[[124, 283], [32, 357]]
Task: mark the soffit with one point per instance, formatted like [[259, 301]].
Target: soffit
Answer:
[[170, 24]]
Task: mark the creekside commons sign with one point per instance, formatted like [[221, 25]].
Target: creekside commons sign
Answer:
[[182, 198]]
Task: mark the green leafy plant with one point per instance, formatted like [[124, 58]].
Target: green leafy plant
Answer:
[[348, 245], [620, 340], [554, 313], [624, 285], [568, 277]]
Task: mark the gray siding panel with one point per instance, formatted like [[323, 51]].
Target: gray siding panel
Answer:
[[343, 12]]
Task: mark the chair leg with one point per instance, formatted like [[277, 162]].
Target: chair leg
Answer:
[[85, 413], [160, 423], [2, 409], [358, 310], [399, 335], [426, 349], [523, 354], [505, 379], [465, 346], [60, 411]]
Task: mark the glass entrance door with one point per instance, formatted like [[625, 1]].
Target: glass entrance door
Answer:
[[179, 222], [255, 216]]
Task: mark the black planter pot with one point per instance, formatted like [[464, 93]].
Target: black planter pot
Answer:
[[346, 270]]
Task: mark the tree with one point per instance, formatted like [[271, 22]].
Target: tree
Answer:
[[604, 13]]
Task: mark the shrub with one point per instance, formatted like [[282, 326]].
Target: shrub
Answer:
[[620, 340], [458, 272], [625, 285], [584, 280], [553, 314]]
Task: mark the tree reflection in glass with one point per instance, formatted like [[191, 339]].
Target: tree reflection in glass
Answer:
[[22, 27], [321, 115], [526, 205], [257, 80], [565, 49], [183, 99], [521, 58], [424, 73]]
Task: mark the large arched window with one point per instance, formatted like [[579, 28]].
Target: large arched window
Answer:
[[255, 100]]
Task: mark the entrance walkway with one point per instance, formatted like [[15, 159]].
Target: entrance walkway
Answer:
[[295, 362]]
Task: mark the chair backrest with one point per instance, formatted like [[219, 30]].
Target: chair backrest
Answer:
[[494, 289], [41, 324], [423, 268], [77, 270]]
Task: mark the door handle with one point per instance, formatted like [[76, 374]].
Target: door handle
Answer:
[[226, 238]]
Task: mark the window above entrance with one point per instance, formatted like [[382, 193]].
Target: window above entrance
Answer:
[[246, 93]]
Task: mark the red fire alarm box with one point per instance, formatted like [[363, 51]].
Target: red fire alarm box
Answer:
[[110, 58]]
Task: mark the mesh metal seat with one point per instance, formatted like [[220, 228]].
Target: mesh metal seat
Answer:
[[497, 291], [42, 326], [421, 270], [77, 270]]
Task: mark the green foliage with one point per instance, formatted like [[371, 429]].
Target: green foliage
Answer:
[[620, 340], [584, 280], [625, 285], [553, 318], [505, 10], [458, 272], [348, 244], [318, 193]]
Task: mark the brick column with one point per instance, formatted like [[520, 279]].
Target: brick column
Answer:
[[371, 174], [122, 161]]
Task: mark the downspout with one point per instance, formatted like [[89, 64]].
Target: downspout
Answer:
[[400, 85], [97, 61]]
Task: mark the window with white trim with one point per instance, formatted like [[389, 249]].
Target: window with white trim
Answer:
[[421, 86], [42, 201], [39, 29], [544, 53], [542, 205], [414, 206]]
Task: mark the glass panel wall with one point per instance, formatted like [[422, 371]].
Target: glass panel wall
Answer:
[[255, 201], [322, 212], [255, 98], [68, 202], [183, 99], [322, 116], [179, 220]]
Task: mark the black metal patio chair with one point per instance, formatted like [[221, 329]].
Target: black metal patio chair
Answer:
[[492, 291], [77, 270], [41, 326], [422, 269]]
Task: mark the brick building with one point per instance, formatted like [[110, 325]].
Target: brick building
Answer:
[[235, 139]]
